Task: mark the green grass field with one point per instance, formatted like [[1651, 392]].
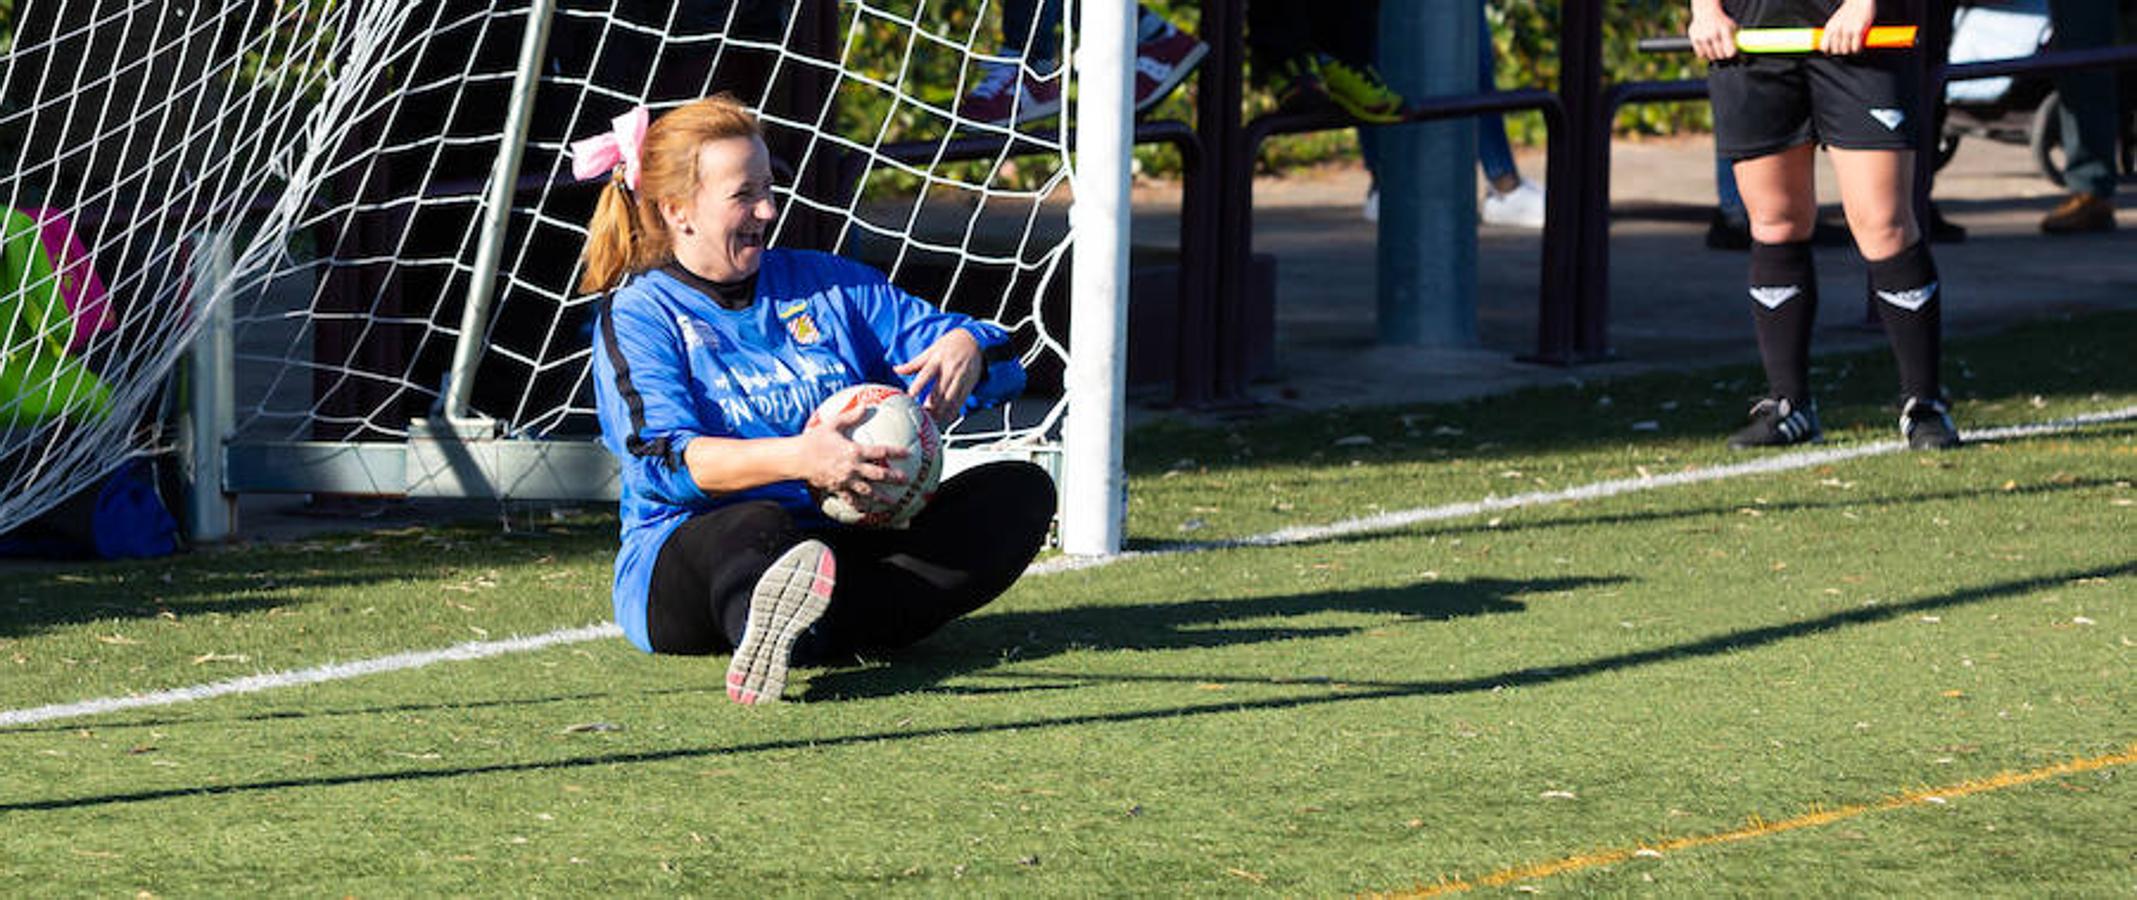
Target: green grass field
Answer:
[[1546, 690]]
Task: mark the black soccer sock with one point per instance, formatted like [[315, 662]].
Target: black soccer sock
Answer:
[[1784, 306], [1904, 290]]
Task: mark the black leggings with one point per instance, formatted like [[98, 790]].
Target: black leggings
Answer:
[[894, 586]]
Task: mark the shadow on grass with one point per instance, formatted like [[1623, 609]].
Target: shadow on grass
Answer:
[[20, 619], [42, 604], [1349, 692], [1026, 636], [1010, 634], [293, 715]]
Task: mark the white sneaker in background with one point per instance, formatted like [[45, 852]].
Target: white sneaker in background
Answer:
[[1521, 207], [1371, 211]]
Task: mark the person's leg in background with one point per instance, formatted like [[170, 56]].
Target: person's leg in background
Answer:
[[1509, 199], [1164, 56], [1369, 153], [1939, 230], [1280, 52], [1034, 26], [1006, 92], [1347, 36], [2089, 112], [1311, 53], [1730, 228]]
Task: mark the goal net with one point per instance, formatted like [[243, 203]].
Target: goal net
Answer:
[[319, 173]]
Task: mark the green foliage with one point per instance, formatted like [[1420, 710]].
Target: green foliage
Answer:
[[906, 66], [1525, 40], [287, 60], [1525, 46]]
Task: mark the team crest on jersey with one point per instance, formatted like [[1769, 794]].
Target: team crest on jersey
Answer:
[[803, 329]]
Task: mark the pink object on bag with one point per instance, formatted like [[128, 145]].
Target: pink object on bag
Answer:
[[79, 286]]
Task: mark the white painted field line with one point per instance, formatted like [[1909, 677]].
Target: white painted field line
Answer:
[[1764, 465], [330, 672], [1390, 521]]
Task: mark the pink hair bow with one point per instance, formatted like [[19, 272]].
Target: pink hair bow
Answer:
[[601, 154]]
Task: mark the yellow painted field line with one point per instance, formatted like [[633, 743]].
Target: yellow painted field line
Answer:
[[1759, 828]]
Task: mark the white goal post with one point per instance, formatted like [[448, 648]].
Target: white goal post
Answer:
[[349, 225]]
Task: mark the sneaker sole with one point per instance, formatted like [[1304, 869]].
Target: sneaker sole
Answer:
[[1172, 80], [1366, 114], [789, 598], [1033, 112]]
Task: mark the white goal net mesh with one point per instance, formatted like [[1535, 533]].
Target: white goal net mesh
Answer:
[[339, 152]]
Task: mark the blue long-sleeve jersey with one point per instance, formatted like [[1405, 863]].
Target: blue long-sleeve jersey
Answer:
[[670, 364]]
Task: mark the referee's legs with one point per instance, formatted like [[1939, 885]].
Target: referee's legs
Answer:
[[1876, 189], [1782, 204]]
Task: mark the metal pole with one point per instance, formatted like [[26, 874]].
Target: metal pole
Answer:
[[1213, 257], [1428, 194], [1580, 87], [497, 211], [1102, 55], [210, 512]]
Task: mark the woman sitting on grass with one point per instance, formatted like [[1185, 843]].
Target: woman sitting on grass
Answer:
[[710, 352]]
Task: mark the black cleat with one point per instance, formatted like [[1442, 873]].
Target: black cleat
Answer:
[[1775, 422], [1926, 425]]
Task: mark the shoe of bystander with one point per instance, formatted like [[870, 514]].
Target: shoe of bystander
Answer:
[[1360, 91], [1007, 94], [1162, 61], [2081, 214], [1520, 207]]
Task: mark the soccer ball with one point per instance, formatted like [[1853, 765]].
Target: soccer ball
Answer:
[[894, 420]]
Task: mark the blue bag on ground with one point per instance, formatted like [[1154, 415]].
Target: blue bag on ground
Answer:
[[121, 516]]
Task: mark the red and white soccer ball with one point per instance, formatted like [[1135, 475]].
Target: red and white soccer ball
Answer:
[[893, 419]]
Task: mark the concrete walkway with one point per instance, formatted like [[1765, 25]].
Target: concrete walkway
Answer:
[[1674, 303]]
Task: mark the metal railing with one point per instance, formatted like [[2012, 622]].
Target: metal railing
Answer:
[[1214, 355]]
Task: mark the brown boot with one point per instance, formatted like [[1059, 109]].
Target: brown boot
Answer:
[[2081, 213]]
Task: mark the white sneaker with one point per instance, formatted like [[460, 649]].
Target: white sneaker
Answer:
[[1371, 212], [1521, 207], [790, 596]]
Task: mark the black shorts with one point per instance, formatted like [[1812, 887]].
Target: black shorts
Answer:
[[1767, 104]]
